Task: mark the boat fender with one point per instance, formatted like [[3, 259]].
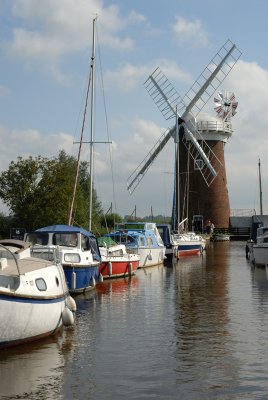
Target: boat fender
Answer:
[[71, 304], [67, 317], [150, 257], [93, 281], [100, 278], [110, 268], [73, 283], [129, 268]]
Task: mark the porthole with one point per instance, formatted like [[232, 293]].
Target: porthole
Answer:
[[41, 284]]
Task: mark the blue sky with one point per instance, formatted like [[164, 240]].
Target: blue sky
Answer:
[[45, 50]]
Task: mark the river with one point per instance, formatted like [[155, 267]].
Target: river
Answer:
[[194, 329]]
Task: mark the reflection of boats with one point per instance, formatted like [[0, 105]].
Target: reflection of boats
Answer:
[[78, 252], [117, 286], [33, 371], [141, 238], [116, 261], [34, 298]]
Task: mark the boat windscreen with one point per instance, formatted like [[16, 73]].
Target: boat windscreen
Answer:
[[40, 238]]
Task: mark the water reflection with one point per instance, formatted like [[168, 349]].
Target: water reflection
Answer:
[[35, 371], [194, 329]]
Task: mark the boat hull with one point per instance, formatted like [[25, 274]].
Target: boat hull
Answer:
[[151, 256], [117, 269], [81, 278], [260, 255], [28, 319], [188, 249]]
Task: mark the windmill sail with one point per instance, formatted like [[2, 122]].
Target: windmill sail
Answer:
[[171, 104]]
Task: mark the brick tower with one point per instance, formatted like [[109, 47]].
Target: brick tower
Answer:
[[211, 202]]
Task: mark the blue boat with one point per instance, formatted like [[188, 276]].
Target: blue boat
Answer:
[[75, 248], [141, 238]]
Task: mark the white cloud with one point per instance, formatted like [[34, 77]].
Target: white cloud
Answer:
[[30, 142], [190, 31], [128, 76], [58, 28]]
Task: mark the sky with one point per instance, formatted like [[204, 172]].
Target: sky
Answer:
[[45, 55]]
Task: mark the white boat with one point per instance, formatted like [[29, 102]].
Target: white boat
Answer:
[[188, 243], [256, 248], [220, 237], [141, 238], [78, 253], [259, 249], [116, 261], [34, 298], [180, 244]]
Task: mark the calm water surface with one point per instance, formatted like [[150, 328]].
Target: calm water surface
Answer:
[[197, 329]]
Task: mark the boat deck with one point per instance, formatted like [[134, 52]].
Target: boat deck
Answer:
[[26, 265]]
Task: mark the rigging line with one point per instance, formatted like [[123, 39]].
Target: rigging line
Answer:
[[79, 151], [106, 118]]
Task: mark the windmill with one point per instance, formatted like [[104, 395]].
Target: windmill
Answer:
[[185, 110]]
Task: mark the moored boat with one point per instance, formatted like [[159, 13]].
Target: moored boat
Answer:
[[259, 249], [116, 261], [220, 237], [77, 251], [188, 243], [34, 298], [141, 238]]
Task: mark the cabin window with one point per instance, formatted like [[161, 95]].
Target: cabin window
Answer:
[[149, 241], [85, 243], [65, 239], [93, 244], [41, 284], [72, 258], [40, 238], [142, 241], [116, 253]]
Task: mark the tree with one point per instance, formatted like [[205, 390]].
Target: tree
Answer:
[[38, 191], [108, 221]]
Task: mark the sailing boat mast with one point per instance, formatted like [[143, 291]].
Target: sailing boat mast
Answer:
[[92, 126], [260, 187], [90, 81], [176, 195]]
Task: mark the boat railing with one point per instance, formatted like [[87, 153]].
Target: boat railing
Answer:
[[7, 254]]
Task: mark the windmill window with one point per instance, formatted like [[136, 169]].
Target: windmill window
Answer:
[[198, 164]]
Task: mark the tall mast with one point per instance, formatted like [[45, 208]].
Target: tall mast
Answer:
[[177, 176], [92, 127], [260, 186]]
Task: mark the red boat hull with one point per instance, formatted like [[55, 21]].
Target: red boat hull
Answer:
[[116, 269], [188, 252]]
